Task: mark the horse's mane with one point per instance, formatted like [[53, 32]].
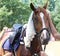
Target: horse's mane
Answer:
[[30, 31]]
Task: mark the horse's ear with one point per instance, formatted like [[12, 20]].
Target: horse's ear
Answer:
[[45, 6], [32, 7]]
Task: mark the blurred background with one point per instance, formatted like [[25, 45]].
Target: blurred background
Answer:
[[18, 11]]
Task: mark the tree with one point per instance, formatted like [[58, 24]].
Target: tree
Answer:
[[13, 11], [18, 11]]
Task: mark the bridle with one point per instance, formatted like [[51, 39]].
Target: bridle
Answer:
[[38, 34]]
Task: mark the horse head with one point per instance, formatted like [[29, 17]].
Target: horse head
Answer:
[[40, 20], [38, 30]]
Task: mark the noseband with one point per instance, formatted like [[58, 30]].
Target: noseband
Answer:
[[38, 33]]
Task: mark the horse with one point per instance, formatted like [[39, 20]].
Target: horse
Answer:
[[37, 32]]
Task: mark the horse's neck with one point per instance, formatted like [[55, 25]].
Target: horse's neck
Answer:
[[35, 44]]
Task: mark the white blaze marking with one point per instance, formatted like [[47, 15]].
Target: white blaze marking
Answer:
[[44, 26]]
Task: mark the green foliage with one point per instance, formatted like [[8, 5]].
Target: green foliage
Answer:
[[51, 5], [58, 26], [55, 15], [13, 11], [18, 11]]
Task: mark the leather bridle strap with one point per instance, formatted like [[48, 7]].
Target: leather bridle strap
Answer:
[[39, 34]]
